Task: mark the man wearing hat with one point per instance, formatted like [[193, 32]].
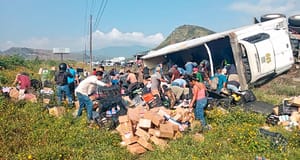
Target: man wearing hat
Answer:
[[197, 74]]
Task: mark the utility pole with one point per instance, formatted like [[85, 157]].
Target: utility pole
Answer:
[[91, 41], [84, 55]]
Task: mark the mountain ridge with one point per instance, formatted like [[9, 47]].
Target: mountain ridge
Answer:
[[181, 33]]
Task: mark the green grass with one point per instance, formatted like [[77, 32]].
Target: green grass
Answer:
[[28, 131]]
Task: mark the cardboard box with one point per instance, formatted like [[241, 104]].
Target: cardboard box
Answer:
[[199, 137], [148, 115], [14, 93], [174, 126], [285, 123], [142, 133], [145, 144], [130, 140], [157, 119], [46, 100], [295, 116], [296, 101], [166, 130], [30, 97], [125, 128], [136, 148], [151, 131], [144, 123], [57, 111], [136, 113], [158, 141], [123, 119], [276, 110]]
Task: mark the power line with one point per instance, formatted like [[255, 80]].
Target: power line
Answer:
[[102, 11], [98, 13]]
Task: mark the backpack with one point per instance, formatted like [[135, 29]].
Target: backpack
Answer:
[[249, 96], [214, 83], [61, 78], [106, 77]]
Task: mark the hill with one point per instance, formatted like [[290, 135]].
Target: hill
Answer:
[[183, 33]]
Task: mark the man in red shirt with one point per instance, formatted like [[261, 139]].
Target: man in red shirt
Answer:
[[23, 82]]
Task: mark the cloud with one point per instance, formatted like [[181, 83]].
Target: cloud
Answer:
[[100, 40], [117, 38], [260, 7]]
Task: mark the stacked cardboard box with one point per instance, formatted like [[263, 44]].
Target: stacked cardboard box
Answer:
[[141, 128]]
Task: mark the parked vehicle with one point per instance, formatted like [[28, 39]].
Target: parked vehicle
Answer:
[[258, 51]]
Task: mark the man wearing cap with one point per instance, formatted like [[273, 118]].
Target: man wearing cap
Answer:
[[198, 75], [156, 79]]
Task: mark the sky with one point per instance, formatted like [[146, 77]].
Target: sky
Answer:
[[48, 24]]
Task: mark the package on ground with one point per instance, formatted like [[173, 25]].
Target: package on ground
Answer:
[[57, 111], [276, 110], [125, 129], [129, 140], [14, 93], [158, 141], [295, 117], [296, 101], [30, 97], [144, 123], [136, 148], [142, 133], [166, 131], [123, 119], [136, 113], [145, 144], [46, 100]]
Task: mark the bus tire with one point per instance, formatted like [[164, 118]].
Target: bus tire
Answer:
[[294, 20], [270, 16]]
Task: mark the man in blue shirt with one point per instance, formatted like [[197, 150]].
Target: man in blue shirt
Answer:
[[71, 80], [222, 79], [180, 82]]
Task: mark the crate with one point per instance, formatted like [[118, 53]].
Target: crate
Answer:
[[148, 97]]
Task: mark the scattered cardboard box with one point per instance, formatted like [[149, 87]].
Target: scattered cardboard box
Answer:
[[166, 130], [145, 144], [158, 141], [136, 148], [57, 111], [144, 123], [142, 133]]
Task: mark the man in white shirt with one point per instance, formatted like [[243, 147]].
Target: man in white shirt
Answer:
[[86, 88]]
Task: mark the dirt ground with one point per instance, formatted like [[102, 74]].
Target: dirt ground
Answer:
[[290, 78]]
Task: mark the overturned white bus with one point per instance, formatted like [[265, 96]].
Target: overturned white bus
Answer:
[[259, 51]]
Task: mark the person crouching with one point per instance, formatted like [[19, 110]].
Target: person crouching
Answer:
[[85, 89]]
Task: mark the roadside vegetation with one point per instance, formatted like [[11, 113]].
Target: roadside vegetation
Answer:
[[29, 132]]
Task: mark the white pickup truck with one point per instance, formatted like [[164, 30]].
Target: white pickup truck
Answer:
[[259, 51]]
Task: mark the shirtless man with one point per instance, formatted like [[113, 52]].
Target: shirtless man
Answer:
[[131, 79]]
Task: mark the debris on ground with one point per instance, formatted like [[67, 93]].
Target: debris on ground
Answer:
[[286, 114]]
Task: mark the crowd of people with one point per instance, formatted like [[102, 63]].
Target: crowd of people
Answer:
[[186, 84]]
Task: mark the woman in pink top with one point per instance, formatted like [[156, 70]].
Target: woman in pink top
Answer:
[[200, 99]]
